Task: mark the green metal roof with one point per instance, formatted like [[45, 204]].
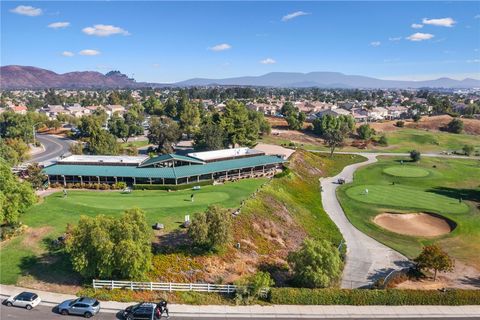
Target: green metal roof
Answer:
[[167, 157], [167, 173]]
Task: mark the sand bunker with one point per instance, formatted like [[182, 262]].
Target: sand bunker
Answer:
[[415, 224]]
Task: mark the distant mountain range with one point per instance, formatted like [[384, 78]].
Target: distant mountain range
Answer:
[[25, 77]]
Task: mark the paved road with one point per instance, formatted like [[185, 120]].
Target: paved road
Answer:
[[46, 313], [366, 259], [54, 147]]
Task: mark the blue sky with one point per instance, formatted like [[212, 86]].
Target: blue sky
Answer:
[[173, 41]]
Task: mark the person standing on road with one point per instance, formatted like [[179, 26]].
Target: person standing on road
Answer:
[[161, 309]]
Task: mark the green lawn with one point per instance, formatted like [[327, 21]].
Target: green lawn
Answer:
[[448, 181], [406, 171], [400, 140], [165, 207]]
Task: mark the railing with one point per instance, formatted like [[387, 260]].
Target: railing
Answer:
[[394, 274], [164, 286]]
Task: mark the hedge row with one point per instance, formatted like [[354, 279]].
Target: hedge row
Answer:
[[359, 297], [171, 186]]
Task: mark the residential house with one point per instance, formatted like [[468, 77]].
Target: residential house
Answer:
[[77, 110], [112, 108], [19, 109], [396, 112], [378, 113]]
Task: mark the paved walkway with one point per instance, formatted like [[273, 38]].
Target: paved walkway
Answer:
[[367, 259], [274, 311]]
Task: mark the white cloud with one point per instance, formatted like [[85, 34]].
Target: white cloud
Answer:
[[103, 30], [420, 36], [220, 47], [58, 25], [442, 22], [394, 38], [68, 54], [476, 16], [375, 43], [268, 61], [27, 11], [89, 52], [294, 15], [156, 65], [416, 26], [473, 61]]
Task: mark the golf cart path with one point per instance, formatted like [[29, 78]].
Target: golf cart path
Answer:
[[367, 259]]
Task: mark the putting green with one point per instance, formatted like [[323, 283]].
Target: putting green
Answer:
[[405, 197], [406, 171]]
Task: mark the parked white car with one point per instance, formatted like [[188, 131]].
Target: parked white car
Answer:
[[28, 300]]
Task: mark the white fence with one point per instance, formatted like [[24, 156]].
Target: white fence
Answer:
[[164, 286]]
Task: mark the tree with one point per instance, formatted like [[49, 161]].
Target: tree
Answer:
[[14, 151], [415, 155], [107, 247], [253, 287], [189, 119], [211, 229], [334, 138], [316, 265], [171, 107], [17, 126], [242, 126], [35, 176], [400, 123], [365, 132], [103, 143], [153, 106], [293, 116], [15, 196], [329, 122], [468, 149], [455, 126], [211, 136], [118, 127], [164, 132], [434, 258], [76, 148]]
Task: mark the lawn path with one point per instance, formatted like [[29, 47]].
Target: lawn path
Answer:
[[367, 259]]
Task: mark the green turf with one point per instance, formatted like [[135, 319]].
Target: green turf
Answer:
[[165, 207], [406, 171], [449, 181]]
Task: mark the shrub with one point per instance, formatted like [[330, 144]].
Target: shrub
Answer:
[[254, 287], [285, 172], [373, 297], [416, 117], [316, 264], [415, 155], [468, 150], [365, 132], [455, 126], [383, 141], [211, 229], [400, 124]]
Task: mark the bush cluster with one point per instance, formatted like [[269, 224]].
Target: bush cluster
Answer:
[[94, 186], [171, 186], [373, 297]]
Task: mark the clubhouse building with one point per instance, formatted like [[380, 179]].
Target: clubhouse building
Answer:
[[167, 169]]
